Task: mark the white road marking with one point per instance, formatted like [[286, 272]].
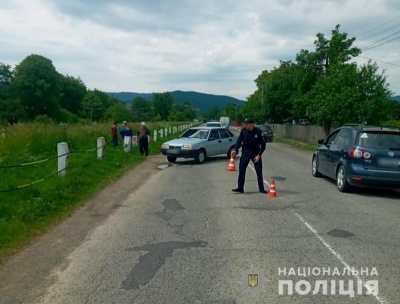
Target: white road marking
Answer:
[[338, 256], [252, 168], [329, 247]]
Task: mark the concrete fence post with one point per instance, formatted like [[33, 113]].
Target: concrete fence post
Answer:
[[101, 147], [155, 135], [161, 133], [63, 153], [127, 143], [3, 134], [166, 132]]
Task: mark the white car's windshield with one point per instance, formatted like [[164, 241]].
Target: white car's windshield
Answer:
[[202, 134]]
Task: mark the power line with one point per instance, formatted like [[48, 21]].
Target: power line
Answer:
[[386, 42], [385, 62], [379, 26], [381, 32], [373, 45]]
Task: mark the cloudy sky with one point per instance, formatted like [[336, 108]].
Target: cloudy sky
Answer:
[[212, 46]]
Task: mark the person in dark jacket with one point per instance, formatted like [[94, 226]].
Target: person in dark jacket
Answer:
[[114, 134], [143, 138], [253, 146]]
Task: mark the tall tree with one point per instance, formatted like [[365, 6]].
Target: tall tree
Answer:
[[73, 90], [141, 109], [118, 113], [162, 104], [6, 78], [11, 111], [36, 85], [92, 107], [329, 54]]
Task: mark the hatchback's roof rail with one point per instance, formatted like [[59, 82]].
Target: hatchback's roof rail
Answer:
[[353, 125]]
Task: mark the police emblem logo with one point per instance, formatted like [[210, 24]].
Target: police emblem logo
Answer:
[[256, 136], [252, 279]]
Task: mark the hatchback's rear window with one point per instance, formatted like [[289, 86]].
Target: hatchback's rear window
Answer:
[[264, 128], [379, 140]]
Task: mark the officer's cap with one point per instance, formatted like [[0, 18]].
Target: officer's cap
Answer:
[[249, 120]]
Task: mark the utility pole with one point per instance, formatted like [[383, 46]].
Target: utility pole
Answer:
[[262, 97], [236, 112]]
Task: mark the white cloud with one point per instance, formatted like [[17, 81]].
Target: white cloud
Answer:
[[209, 46]]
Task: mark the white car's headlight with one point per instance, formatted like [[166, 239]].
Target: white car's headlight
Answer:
[[186, 147], [165, 146]]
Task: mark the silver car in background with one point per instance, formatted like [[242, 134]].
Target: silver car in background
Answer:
[[200, 143]]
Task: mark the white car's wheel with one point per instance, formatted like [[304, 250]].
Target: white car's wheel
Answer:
[[201, 156]]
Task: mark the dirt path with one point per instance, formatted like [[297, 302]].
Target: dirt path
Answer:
[[26, 274]]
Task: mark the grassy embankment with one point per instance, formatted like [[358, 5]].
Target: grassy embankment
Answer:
[[295, 143], [30, 211]]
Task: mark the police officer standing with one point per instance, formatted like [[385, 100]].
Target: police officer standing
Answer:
[[253, 145]]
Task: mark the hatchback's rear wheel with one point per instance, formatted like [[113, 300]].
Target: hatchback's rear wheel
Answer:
[[314, 170], [341, 180]]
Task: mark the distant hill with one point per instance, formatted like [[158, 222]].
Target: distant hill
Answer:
[[396, 98], [202, 101]]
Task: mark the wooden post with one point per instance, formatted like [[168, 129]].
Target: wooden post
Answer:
[[155, 135], [62, 152], [127, 143], [101, 147]]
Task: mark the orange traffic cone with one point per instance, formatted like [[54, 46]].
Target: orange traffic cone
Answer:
[[231, 166], [272, 190]]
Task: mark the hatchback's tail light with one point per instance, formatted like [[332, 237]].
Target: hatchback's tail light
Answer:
[[359, 153]]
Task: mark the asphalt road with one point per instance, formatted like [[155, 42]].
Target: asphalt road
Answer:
[[184, 237]]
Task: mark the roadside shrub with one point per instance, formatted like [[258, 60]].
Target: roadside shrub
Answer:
[[392, 124], [43, 119]]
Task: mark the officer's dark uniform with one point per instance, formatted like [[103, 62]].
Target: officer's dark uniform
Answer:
[[253, 144]]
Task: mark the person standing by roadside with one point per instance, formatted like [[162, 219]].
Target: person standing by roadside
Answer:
[[114, 134], [122, 130], [127, 132], [253, 146], [143, 138]]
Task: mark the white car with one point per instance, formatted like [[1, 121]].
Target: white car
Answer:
[[200, 144]]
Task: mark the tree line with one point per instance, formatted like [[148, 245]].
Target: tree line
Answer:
[[324, 86], [35, 91]]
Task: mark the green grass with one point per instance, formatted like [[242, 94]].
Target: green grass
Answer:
[[30, 211], [295, 143]]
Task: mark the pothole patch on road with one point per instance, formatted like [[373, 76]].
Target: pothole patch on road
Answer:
[[278, 178], [172, 204], [154, 258], [340, 233], [163, 166]]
